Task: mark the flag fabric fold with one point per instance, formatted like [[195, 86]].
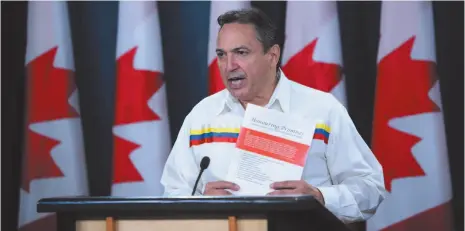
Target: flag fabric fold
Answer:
[[408, 130], [141, 127], [53, 163]]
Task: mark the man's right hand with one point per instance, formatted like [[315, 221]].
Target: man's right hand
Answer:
[[218, 188]]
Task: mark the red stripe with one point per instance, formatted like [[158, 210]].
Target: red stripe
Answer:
[[318, 136], [437, 218], [213, 140]]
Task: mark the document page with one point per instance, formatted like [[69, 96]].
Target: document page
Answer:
[[272, 146]]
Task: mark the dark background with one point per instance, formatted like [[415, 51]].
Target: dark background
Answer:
[[184, 27]]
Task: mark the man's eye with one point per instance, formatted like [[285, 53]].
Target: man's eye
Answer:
[[242, 52], [220, 54]]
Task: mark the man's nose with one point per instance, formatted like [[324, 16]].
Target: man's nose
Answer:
[[231, 64]]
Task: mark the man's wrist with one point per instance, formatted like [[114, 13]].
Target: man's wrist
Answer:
[[320, 197]]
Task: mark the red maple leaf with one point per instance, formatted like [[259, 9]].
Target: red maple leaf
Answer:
[[302, 68], [49, 89], [402, 90], [125, 171], [215, 82], [134, 89]]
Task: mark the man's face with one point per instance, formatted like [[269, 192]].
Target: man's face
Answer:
[[242, 63]]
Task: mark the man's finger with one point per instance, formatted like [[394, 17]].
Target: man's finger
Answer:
[[222, 192], [217, 192], [289, 184], [223, 185], [282, 192]]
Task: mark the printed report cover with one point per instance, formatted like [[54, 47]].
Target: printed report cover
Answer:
[[272, 146]]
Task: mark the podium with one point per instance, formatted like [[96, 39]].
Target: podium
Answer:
[[190, 214]]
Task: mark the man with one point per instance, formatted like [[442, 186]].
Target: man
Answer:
[[341, 172]]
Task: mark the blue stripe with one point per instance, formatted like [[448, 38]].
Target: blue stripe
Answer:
[[214, 134], [322, 131]]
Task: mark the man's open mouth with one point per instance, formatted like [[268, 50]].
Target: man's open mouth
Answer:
[[235, 79]]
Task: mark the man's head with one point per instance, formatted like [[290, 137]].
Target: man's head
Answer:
[[248, 54]]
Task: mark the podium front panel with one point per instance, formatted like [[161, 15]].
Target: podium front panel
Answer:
[[278, 213], [173, 225]]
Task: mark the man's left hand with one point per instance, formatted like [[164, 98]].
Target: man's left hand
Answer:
[[299, 187]]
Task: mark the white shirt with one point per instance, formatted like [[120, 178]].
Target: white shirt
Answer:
[[339, 162]]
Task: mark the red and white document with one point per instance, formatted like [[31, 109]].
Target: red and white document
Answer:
[[272, 146]]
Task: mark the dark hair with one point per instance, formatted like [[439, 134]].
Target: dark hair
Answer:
[[265, 28]]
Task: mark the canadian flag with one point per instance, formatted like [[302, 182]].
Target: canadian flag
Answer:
[[141, 126], [312, 47], [53, 159], [216, 9], [408, 129]]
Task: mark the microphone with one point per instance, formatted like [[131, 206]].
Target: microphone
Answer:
[[203, 165]]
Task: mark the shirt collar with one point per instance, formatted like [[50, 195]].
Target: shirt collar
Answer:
[[281, 95]]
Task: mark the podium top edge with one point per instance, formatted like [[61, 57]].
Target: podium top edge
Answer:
[[193, 203], [155, 199]]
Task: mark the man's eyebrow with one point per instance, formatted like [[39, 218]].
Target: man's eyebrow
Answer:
[[234, 49], [240, 48]]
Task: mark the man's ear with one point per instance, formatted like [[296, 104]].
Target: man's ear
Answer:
[[274, 54]]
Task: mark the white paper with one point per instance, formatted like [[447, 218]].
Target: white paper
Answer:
[[272, 146]]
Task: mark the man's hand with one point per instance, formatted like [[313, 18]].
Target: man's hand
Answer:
[[219, 188], [296, 188]]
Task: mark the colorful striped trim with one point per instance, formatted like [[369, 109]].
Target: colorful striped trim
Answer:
[[213, 135], [322, 132], [215, 130]]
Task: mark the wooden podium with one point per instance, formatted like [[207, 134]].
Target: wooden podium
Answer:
[[190, 214]]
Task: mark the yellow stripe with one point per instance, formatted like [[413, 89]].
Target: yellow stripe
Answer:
[[324, 127], [207, 130]]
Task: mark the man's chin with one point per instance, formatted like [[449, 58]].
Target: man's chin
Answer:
[[240, 94]]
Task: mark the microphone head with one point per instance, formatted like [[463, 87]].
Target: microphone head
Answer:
[[204, 162]]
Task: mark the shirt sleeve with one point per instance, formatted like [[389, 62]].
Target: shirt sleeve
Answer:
[[181, 168], [357, 176]]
